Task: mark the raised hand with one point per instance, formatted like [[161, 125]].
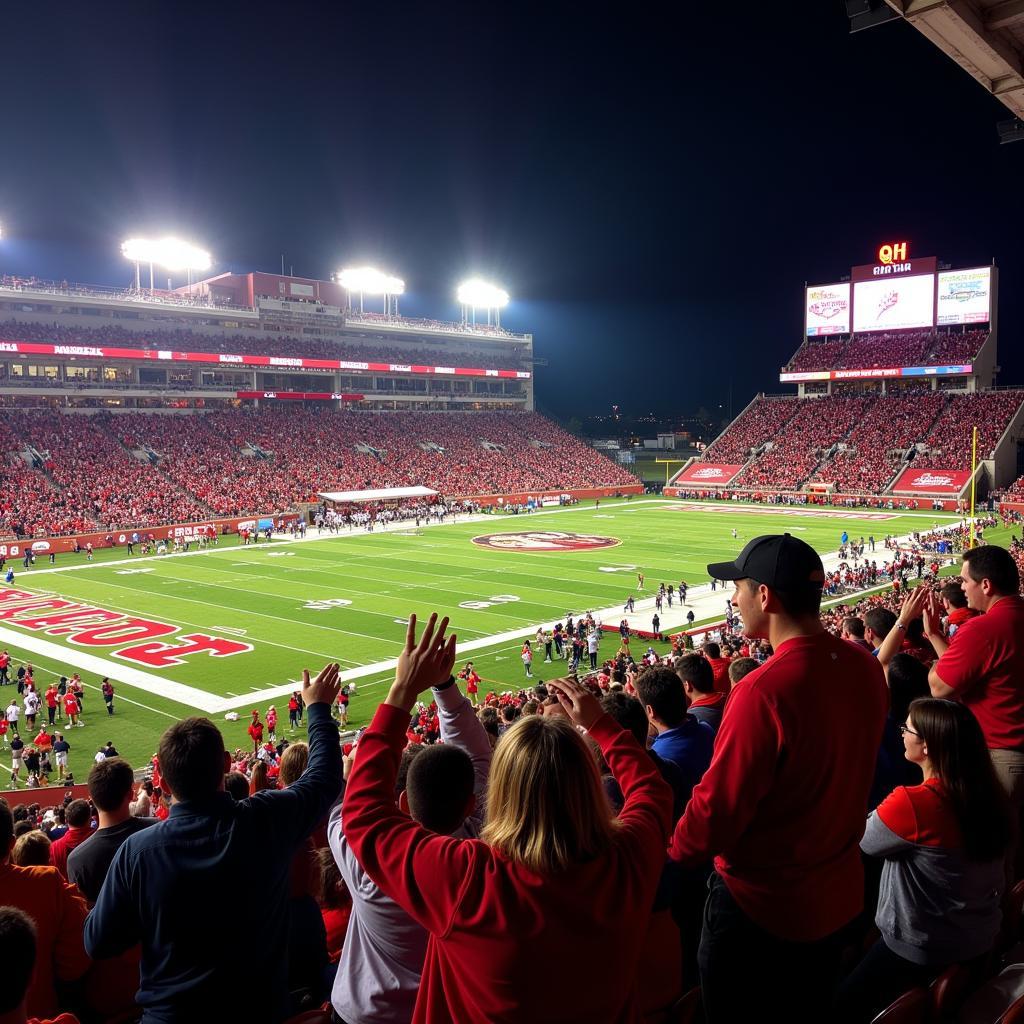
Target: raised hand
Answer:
[[424, 664], [582, 707], [915, 604], [324, 689]]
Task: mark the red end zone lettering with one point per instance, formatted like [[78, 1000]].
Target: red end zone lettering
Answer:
[[159, 655], [53, 603], [125, 631], [55, 623]]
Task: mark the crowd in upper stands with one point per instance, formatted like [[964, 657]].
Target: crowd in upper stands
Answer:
[[266, 344], [900, 348], [717, 818], [251, 462], [872, 434]]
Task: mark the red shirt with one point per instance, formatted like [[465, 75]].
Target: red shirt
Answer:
[[984, 664], [51, 697], [59, 913], [782, 806], [491, 920], [720, 667], [70, 704], [922, 815], [61, 848]]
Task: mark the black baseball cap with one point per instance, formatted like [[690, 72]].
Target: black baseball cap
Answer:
[[779, 561]]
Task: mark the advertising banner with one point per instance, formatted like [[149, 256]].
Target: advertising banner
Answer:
[[94, 352], [918, 480], [965, 296], [893, 304], [874, 372], [707, 474], [827, 309]]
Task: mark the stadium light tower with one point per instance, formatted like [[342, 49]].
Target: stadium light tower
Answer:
[[169, 253], [475, 294], [370, 281]]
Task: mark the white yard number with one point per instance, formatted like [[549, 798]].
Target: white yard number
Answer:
[[131, 572], [331, 602], [489, 603]]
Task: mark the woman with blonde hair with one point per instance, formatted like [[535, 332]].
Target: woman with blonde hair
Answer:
[[554, 879]]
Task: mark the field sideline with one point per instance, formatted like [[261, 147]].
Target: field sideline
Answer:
[[273, 609]]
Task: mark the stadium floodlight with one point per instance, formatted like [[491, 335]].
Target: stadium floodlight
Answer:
[[169, 253], [370, 281], [476, 294]]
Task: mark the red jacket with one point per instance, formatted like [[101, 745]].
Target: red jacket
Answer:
[[493, 923], [783, 806], [59, 913]]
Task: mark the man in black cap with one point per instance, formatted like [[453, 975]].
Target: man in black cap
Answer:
[[782, 807]]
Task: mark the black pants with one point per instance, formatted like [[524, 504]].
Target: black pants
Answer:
[[792, 981], [880, 978], [593, 659], [50, 712]]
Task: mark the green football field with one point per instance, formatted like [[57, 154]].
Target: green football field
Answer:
[[270, 610]]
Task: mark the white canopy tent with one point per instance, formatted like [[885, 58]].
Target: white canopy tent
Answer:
[[379, 494]]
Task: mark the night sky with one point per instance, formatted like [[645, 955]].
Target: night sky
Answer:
[[653, 185]]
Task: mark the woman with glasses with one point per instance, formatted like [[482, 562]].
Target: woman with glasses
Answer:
[[943, 843]]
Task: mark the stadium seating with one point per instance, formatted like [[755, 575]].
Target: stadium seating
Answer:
[[877, 444], [91, 478], [763, 419], [949, 441], [877, 432], [818, 424], [902, 348], [185, 340]]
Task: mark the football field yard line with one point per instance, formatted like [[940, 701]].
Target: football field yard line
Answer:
[[242, 611]]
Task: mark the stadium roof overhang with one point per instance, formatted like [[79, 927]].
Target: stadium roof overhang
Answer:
[[380, 494], [985, 37]]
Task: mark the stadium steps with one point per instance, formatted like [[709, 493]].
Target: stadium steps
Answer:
[[887, 489]]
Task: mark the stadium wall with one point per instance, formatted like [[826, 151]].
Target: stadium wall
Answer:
[[185, 531], [948, 504], [45, 796]]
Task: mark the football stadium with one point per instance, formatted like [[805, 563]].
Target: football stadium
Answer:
[[345, 678]]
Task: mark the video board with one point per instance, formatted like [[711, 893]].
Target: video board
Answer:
[[965, 296], [894, 303], [827, 309]]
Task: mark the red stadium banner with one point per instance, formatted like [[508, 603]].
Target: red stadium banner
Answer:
[[917, 480], [221, 358], [707, 474]]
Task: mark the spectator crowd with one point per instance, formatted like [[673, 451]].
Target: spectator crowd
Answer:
[[815, 815]]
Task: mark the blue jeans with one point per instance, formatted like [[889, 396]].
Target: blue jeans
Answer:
[[747, 973]]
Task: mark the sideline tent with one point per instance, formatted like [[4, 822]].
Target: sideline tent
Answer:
[[380, 494]]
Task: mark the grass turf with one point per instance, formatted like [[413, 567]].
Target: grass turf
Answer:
[[277, 598]]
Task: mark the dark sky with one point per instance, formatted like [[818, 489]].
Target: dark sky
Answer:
[[653, 185]]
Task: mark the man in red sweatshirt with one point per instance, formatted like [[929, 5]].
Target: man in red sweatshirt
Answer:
[[782, 807]]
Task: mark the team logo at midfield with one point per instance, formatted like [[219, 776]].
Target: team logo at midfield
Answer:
[[545, 540]]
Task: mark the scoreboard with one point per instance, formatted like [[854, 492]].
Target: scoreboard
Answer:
[[898, 293]]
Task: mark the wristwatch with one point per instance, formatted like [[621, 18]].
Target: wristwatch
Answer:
[[444, 686], [901, 626]]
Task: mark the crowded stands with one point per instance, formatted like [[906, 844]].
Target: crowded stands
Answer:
[[763, 419], [793, 454], [901, 348], [264, 461], [872, 434], [887, 858]]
